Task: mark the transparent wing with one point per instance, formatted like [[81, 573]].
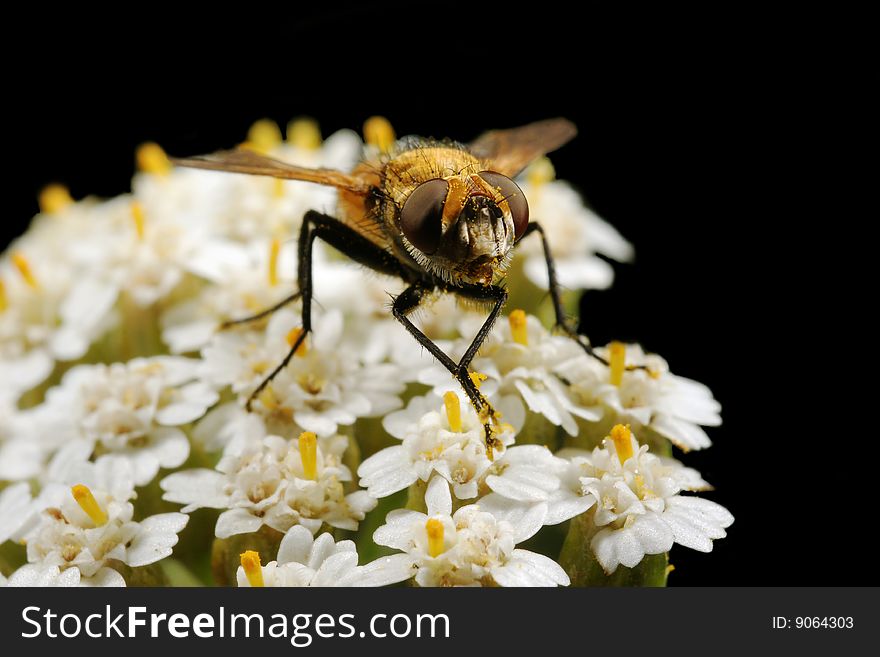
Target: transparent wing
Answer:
[[244, 161], [510, 151]]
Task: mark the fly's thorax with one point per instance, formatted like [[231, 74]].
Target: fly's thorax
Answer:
[[453, 218]]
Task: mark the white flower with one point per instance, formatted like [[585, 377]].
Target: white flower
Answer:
[[129, 409], [274, 482], [48, 314], [520, 358], [671, 405], [244, 279], [15, 508], [307, 561], [469, 548], [442, 436], [47, 575], [574, 232], [639, 506], [89, 525], [529, 479], [323, 387]]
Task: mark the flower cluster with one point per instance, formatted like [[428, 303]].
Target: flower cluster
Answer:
[[139, 444]]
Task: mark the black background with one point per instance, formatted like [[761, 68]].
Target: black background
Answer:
[[692, 130]]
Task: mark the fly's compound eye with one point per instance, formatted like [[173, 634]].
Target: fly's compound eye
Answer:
[[421, 217], [516, 200]]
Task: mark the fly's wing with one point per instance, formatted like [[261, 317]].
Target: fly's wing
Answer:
[[244, 161], [510, 151]]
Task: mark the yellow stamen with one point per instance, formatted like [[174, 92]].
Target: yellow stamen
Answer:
[[137, 215], [478, 378], [24, 268], [308, 451], [617, 358], [54, 198], [304, 133], [89, 504], [669, 569], [268, 399], [277, 187], [4, 302], [379, 133], [541, 172], [453, 411], [274, 250], [151, 158], [435, 537], [292, 337], [622, 437], [250, 561], [518, 328], [263, 136]]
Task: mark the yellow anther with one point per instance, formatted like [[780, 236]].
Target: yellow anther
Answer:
[[379, 133], [4, 302], [622, 437], [268, 399], [669, 569], [89, 504], [453, 411], [308, 451], [304, 133], [139, 219], [54, 198], [150, 158], [24, 268], [617, 359], [292, 337], [518, 328], [274, 251], [435, 537], [253, 569], [478, 378], [263, 136], [541, 172], [277, 187]]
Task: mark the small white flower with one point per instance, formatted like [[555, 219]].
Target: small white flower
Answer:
[[15, 508], [307, 561], [442, 436], [469, 548], [639, 506], [244, 279], [529, 479], [574, 232], [49, 314], [323, 387], [89, 525], [520, 358], [47, 575], [274, 482], [129, 409], [671, 405]]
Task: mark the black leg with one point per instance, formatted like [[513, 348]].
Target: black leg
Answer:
[[561, 320], [410, 299], [352, 244], [263, 313]]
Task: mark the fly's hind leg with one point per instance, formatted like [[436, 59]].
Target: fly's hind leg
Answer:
[[561, 320], [410, 299], [346, 240]]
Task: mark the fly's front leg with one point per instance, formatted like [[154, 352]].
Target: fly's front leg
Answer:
[[561, 320], [346, 240], [410, 299]]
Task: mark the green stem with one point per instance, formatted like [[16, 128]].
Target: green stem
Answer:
[[578, 560]]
